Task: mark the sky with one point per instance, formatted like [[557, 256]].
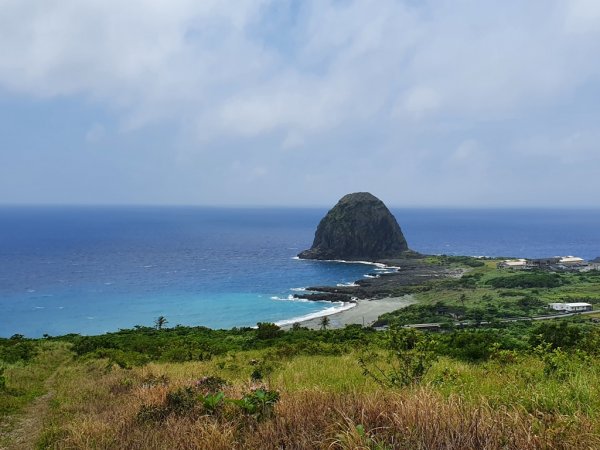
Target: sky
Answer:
[[424, 103]]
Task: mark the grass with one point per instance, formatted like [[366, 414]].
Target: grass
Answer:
[[27, 381], [473, 297], [327, 403]]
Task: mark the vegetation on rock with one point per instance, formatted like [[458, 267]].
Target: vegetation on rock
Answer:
[[358, 227]]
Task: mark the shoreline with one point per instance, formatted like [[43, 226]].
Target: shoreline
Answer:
[[365, 312]]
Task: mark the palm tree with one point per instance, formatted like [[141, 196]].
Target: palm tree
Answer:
[[324, 322], [160, 322]]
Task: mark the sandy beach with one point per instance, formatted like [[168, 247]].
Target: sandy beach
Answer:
[[364, 313]]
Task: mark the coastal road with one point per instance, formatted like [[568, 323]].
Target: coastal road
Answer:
[[432, 326]]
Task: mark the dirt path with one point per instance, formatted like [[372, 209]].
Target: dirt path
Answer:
[[26, 431]]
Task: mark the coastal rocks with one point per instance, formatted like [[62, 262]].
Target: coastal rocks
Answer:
[[326, 297], [359, 227]]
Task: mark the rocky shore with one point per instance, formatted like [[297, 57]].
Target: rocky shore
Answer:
[[409, 275]]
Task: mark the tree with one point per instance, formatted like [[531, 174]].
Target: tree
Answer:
[[267, 330], [324, 322], [160, 322]]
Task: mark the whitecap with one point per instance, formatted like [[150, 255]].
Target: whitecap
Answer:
[[341, 306], [289, 298], [351, 284], [298, 289], [369, 263]]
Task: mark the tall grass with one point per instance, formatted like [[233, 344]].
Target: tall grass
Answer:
[[327, 404]]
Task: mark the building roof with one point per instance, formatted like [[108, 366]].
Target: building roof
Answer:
[[571, 259]]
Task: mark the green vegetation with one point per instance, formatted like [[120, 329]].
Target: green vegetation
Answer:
[[527, 280], [488, 294]]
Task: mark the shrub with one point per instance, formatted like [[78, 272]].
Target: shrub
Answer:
[[210, 384], [17, 348], [267, 330], [410, 356], [212, 402], [259, 404], [179, 402], [557, 335], [527, 280]]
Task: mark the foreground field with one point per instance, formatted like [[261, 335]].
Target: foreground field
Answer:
[[512, 400]]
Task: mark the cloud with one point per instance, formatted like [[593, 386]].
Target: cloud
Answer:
[[345, 60], [421, 85]]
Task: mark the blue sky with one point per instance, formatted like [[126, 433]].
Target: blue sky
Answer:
[[282, 102]]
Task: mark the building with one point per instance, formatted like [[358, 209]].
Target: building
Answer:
[[543, 262], [571, 261], [570, 307], [513, 264]]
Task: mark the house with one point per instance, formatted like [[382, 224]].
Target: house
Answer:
[[513, 264], [543, 262], [571, 261], [570, 307]]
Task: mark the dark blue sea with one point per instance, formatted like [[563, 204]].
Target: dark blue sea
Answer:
[[90, 270]]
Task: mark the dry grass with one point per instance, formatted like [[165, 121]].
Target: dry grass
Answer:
[[316, 419], [327, 404]]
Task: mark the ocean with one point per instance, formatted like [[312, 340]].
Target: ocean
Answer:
[[91, 270]]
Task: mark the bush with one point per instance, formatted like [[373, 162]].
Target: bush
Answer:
[[259, 404], [410, 357], [473, 345], [527, 280], [267, 330], [180, 402], [557, 335], [17, 349]]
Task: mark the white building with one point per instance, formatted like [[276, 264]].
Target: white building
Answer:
[[570, 307], [571, 261], [513, 264]]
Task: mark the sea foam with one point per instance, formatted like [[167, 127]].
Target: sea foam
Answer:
[[341, 306]]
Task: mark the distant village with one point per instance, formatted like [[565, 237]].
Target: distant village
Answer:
[[556, 264]]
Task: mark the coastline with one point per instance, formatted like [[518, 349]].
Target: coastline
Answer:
[[365, 312]]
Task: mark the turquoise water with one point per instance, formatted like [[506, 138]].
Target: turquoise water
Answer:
[[92, 270]]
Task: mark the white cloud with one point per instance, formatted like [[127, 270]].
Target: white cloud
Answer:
[[330, 79], [182, 59]]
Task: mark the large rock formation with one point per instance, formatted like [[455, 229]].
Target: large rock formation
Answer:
[[359, 227]]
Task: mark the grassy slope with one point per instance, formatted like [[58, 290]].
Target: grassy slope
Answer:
[[326, 402], [473, 297]]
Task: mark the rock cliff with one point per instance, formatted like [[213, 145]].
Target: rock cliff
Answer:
[[359, 227]]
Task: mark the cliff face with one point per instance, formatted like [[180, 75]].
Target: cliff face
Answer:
[[359, 227]]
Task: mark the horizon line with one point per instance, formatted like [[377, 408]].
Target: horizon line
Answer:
[[280, 206]]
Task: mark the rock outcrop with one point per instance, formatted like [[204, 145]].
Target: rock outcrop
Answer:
[[359, 227]]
